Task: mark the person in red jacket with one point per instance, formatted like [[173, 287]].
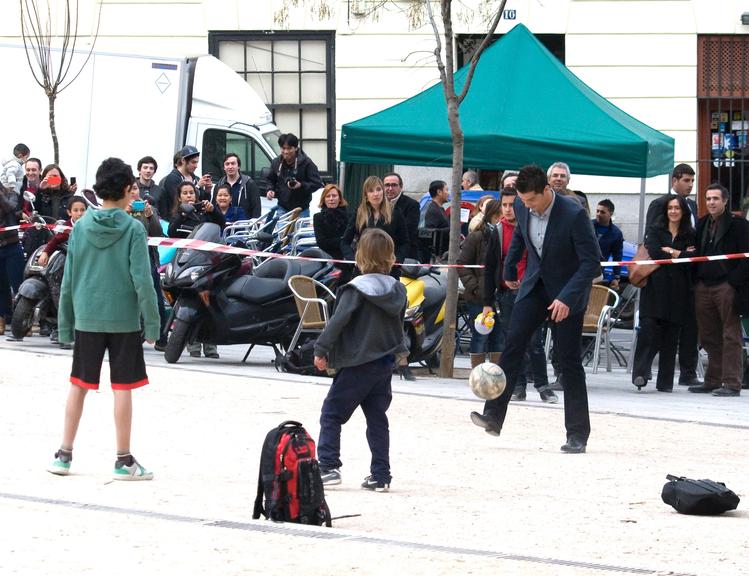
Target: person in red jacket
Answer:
[[76, 209]]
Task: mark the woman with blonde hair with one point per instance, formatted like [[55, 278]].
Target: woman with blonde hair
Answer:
[[375, 211], [477, 220]]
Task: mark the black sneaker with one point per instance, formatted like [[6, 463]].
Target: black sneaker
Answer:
[[375, 485], [547, 395], [330, 477], [519, 393]]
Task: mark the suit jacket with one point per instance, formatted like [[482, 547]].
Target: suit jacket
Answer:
[[657, 206], [411, 212], [570, 256]]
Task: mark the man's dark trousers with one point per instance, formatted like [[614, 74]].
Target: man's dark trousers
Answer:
[[368, 386], [528, 314]]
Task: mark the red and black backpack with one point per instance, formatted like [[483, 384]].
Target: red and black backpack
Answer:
[[289, 487]]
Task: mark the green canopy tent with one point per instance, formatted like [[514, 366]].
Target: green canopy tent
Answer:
[[523, 107]]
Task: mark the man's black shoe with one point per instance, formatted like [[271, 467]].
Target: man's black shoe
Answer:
[[701, 389], [519, 393], [488, 422], [726, 392], [690, 381], [557, 384], [573, 446]]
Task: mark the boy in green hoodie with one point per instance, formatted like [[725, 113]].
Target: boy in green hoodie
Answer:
[[106, 290]]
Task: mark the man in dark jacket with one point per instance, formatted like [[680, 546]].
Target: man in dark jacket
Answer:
[[244, 192], [11, 254], [563, 258], [718, 290], [610, 237], [147, 186], [407, 206], [293, 177], [435, 217]]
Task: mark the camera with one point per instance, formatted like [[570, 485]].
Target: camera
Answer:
[[291, 182], [199, 209], [138, 205]]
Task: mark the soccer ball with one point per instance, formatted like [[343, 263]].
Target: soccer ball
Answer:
[[487, 381]]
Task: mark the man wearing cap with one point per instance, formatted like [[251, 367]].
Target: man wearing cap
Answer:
[[185, 164], [293, 177]]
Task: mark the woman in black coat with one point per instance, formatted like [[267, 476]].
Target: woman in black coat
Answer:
[[185, 220], [330, 223], [667, 298], [375, 211]]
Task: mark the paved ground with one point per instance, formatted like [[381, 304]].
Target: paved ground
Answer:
[[462, 502]]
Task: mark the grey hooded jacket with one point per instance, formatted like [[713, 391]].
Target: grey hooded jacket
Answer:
[[367, 323]]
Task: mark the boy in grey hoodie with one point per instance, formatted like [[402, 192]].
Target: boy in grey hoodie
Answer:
[[361, 341]]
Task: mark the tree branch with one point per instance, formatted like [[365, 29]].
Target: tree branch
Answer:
[[477, 54]]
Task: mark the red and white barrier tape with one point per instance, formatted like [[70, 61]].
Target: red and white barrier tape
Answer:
[[224, 249], [737, 256]]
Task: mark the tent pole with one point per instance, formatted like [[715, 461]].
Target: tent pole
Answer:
[[641, 221]]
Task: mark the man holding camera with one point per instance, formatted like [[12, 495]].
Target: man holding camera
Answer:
[[293, 177]]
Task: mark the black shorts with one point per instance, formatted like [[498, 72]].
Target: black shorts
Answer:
[[127, 369]]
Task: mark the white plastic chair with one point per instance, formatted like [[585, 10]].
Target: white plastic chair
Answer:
[[313, 310]]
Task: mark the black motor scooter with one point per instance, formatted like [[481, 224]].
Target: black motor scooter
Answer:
[[38, 295], [216, 300]]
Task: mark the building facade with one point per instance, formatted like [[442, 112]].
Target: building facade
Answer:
[[680, 66]]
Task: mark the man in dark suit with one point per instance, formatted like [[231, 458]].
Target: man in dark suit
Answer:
[[409, 207], [682, 182], [563, 259], [410, 210]]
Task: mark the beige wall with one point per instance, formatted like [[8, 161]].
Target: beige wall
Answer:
[[641, 54]]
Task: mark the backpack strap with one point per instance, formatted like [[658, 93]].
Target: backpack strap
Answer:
[[326, 512], [258, 509]]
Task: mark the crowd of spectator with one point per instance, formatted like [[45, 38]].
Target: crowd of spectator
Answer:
[[681, 306]]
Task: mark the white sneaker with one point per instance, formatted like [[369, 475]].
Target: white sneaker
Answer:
[[133, 472]]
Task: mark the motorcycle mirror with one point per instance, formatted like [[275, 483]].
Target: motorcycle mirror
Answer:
[[29, 196]]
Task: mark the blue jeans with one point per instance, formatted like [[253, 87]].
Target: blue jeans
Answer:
[[367, 386], [11, 275], [486, 343]]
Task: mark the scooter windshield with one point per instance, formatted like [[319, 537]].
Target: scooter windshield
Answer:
[[208, 232]]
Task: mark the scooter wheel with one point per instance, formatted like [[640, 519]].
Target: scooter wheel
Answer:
[[177, 341], [23, 317]]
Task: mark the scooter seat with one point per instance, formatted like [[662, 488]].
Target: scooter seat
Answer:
[[270, 281], [257, 290]]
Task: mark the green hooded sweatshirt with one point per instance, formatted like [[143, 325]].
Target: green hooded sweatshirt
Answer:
[[107, 285]]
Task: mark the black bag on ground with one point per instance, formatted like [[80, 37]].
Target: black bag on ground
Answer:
[[701, 497], [289, 485], [301, 360]]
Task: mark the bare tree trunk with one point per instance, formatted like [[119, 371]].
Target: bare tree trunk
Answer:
[[451, 302], [453, 119], [52, 127]]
